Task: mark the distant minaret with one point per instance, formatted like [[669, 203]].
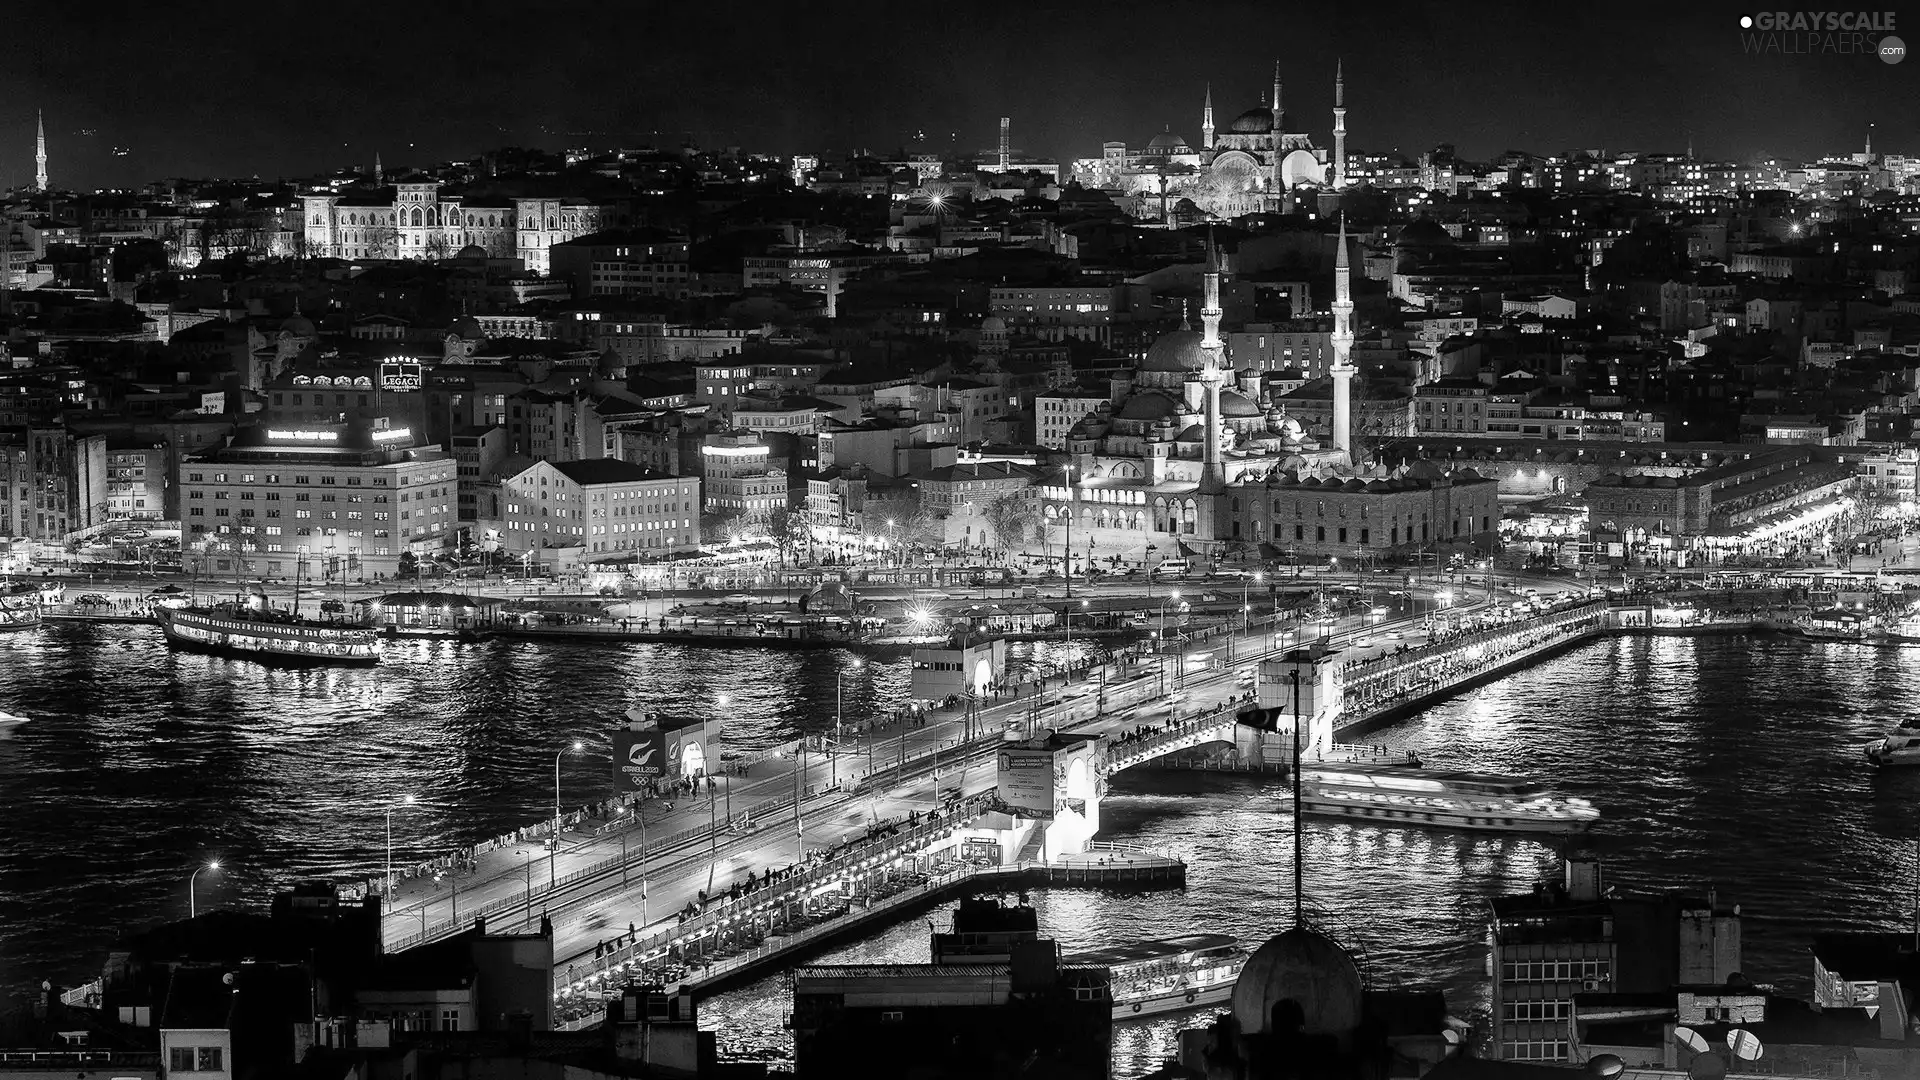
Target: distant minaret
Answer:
[[1869, 154], [1279, 116], [1339, 126], [1206, 121], [1213, 356], [1342, 341], [1006, 144], [377, 179], [40, 154]]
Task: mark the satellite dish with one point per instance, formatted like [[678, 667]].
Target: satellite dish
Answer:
[[1688, 1039], [1606, 1065], [1707, 1067], [1744, 1044]]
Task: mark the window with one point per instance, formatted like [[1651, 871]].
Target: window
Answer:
[[209, 1059], [450, 1020], [180, 1059]]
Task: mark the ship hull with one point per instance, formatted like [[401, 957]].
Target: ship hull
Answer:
[[1175, 1000], [1436, 818]]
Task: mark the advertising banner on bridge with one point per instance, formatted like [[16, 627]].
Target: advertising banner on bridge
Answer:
[[639, 755], [1026, 781]]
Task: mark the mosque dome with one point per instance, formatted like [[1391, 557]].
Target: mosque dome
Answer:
[[1175, 350], [467, 328], [1289, 428], [1299, 979], [1166, 143], [1148, 405], [298, 325], [1238, 406], [471, 251], [1253, 122], [993, 324]]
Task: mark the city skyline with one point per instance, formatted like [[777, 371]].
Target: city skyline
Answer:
[[801, 82]]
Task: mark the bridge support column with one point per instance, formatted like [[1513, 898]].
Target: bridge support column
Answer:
[[1305, 687]]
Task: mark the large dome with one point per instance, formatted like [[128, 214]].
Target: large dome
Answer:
[[1175, 350], [1148, 405], [1253, 122], [298, 325], [1302, 978], [1236, 405]]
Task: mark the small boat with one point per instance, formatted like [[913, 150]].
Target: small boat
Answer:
[[1190, 971], [1410, 795], [19, 612], [1834, 624], [1901, 746], [8, 719]]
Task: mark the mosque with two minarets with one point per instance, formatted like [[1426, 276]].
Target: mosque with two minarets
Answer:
[[1193, 455]]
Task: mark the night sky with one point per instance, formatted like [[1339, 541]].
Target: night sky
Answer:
[[290, 89]]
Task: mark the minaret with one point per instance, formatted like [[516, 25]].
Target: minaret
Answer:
[[1213, 478], [1006, 144], [1206, 121], [1339, 126], [377, 178], [1342, 341], [40, 154], [1279, 117]]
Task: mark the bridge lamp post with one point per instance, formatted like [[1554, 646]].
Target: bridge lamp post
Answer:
[[405, 800], [554, 847], [193, 910]]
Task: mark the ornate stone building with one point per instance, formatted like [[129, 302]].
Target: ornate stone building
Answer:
[[415, 219]]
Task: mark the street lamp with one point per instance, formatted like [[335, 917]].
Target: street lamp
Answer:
[[405, 800], [193, 911], [553, 846], [1066, 550], [528, 855]]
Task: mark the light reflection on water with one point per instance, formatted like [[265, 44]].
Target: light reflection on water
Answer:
[[1735, 762]]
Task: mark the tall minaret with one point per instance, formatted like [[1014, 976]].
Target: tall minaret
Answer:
[[40, 154], [1339, 126], [1279, 117], [1206, 121], [376, 168], [1213, 351], [1342, 341], [1006, 144]]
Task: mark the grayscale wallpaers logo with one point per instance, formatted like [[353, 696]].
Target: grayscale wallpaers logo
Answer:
[[641, 755], [1822, 33]]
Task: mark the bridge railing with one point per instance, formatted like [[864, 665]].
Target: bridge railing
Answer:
[[725, 913]]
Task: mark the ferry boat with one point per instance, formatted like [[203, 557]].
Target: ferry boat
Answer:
[[1409, 795], [1191, 971], [18, 613], [256, 633], [1834, 624], [1901, 746]]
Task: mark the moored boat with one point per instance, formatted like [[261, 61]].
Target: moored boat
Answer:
[[1901, 746], [1190, 971], [270, 636], [1409, 795], [1834, 624]]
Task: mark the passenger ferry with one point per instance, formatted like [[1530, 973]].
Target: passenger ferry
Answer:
[[1409, 795], [1834, 624], [1165, 975], [270, 636], [1901, 746]]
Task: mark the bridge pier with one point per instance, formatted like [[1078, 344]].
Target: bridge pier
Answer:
[[1304, 689]]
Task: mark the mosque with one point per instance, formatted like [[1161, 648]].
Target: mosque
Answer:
[[1190, 456], [1252, 165]]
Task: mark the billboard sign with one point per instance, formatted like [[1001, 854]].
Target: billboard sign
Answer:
[[400, 375], [639, 755], [1026, 781]]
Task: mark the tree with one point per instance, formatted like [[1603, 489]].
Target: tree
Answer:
[[783, 528], [409, 564], [1012, 518]]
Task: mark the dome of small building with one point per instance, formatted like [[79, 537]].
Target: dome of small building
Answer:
[[1148, 405], [471, 251], [1175, 350], [1253, 122], [1238, 406], [467, 328], [298, 325], [1299, 980], [1193, 433], [1290, 428], [993, 324]]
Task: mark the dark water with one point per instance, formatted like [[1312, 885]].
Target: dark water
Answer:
[[1732, 762]]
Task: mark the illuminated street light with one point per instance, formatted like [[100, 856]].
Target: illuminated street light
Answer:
[[554, 846], [405, 800], [193, 911]]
